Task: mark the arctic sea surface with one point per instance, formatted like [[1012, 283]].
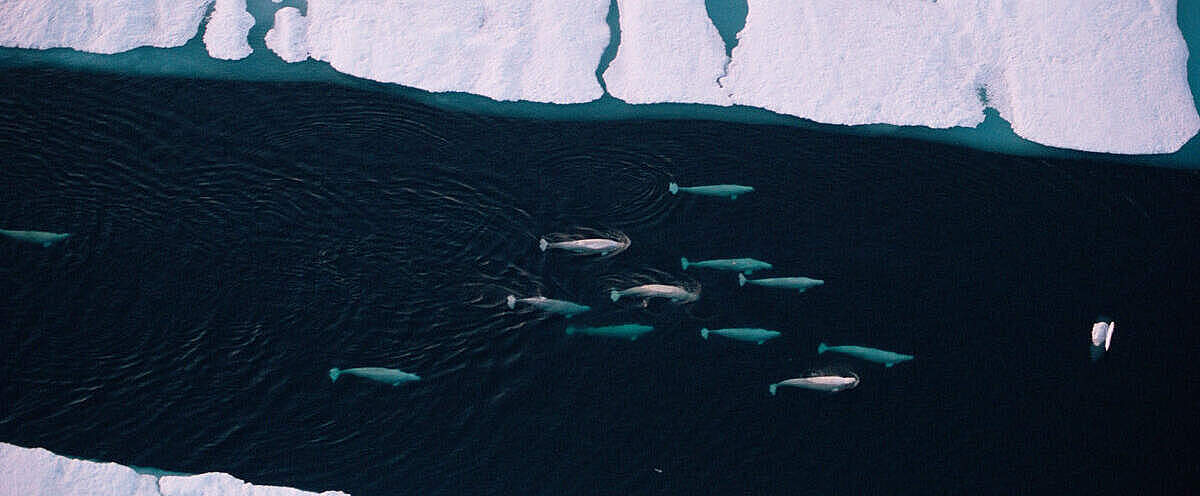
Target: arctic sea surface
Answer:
[[233, 241]]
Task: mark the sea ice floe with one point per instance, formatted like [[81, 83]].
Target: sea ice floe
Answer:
[[227, 29], [38, 472], [288, 38], [108, 26], [536, 50], [669, 52], [1106, 76]]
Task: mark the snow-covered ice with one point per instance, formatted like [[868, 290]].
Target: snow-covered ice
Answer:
[[856, 62], [227, 29], [108, 26], [288, 38], [1100, 75], [536, 50], [1094, 75], [669, 52], [38, 472]]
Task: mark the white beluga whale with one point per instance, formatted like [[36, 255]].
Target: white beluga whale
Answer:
[[380, 374], [675, 294], [628, 331], [1102, 333], [590, 246], [743, 265], [887, 358], [831, 383], [731, 191], [37, 237], [801, 284], [561, 307], [749, 334]]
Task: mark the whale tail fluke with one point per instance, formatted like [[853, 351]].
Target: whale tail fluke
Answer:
[[741, 279], [543, 244], [334, 373], [684, 262], [511, 301], [704, 333], [614, 295], [771, 388], [821, 348], [673, 188]]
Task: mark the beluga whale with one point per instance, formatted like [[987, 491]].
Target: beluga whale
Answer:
[[748, 334], [628, 331], [830, 383], [592, 243], [379, 374], [731, 191], [561, 307], [887, 358], [1102, 333], [743, 265], [798, 283], [36, 237], [674, 294]]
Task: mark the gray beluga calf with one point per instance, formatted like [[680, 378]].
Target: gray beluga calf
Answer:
[[380, 374], [676, 294], [828, 383], [1102, 333], [561, 307], [730, 191], [749, 334], [37, 237], [801, 284], [628, 331], [887, 358], [743, 265]]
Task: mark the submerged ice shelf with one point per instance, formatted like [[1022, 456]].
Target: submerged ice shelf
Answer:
[[1109, 76], [36, 472]]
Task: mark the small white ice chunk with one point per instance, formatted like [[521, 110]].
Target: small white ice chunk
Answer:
[[225, 35], [669, 52], [288, 38], [536, 50], [108, 26]]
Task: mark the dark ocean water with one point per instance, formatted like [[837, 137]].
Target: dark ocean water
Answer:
[[233, 241]]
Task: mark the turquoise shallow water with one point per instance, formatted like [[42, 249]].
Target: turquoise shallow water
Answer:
[[191, 60]]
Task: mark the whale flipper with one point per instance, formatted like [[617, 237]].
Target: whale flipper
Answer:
[[889, 364], [732, 197]]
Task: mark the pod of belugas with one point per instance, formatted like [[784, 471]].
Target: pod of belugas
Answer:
[[887, 358], [380, 374], [743, 265], [798, 283], [1102, 333], [590, 246], [730, 191], [627, 331], [37, 237], [827, 383], [676, 294], [749, 334], [561, 307]]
